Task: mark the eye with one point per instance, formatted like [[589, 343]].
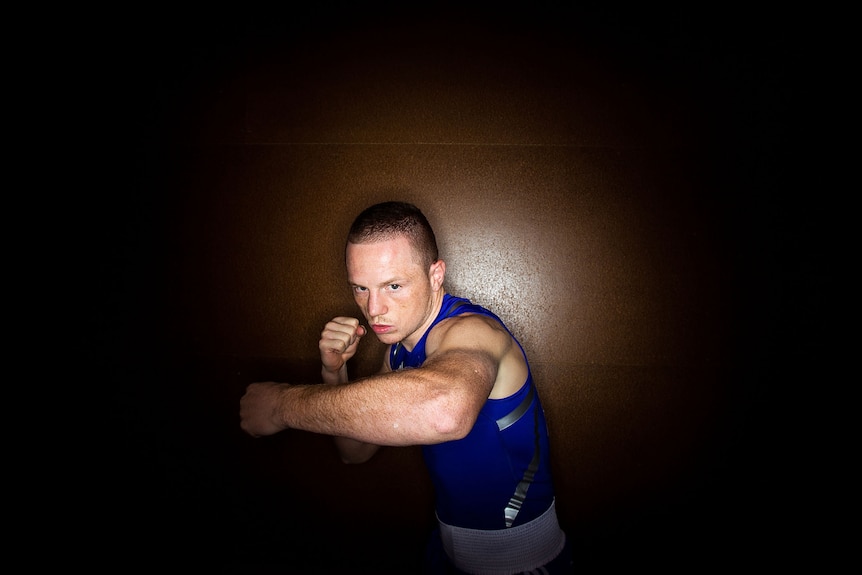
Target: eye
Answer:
[[359, 289], [394, 287]]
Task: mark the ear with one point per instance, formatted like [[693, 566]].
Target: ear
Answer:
[[437, 273]]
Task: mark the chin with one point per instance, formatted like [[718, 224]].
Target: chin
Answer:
[[388, 338]]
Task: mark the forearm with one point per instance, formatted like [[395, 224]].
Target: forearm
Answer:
[[350, 450], [355, 411], [336, 377]]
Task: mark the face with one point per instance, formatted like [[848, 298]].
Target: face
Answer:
[[395, 292]]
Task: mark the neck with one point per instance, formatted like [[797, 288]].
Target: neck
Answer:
[[410, 341]]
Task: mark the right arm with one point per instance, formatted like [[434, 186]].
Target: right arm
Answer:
[[338, 343]]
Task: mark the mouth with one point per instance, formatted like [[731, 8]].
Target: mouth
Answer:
[[381, 328]]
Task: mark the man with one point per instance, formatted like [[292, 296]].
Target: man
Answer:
[[454, 380]]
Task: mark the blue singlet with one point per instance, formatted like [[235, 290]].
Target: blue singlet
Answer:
[[499, 475]]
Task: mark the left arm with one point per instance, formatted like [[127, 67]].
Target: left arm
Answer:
[[437, 402]]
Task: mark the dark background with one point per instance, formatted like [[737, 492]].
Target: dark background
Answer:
[[616, 183]]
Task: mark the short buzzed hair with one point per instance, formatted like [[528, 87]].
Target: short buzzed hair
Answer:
[[388, 220]]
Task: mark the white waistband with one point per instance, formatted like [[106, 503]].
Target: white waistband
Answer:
[[505, 551]]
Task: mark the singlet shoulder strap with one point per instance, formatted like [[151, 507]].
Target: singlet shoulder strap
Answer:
[[398, 355], [454, 307]]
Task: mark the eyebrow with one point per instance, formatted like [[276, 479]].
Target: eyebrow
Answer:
[[390, 282]]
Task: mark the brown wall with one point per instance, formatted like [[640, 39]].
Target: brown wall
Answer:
[[585, 194]]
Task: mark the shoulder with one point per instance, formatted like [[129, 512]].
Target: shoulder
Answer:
[[469, 331]]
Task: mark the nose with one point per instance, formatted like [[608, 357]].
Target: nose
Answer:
[[376, 305]]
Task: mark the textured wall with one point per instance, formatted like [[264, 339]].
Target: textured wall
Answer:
[[578, 194]]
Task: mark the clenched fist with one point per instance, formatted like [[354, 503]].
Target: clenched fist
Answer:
[[258, 408], [338, 342]]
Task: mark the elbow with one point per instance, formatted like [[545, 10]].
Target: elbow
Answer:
[[352, 452], [354, 460], [452, 434], [463, 381], [452, 421]]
